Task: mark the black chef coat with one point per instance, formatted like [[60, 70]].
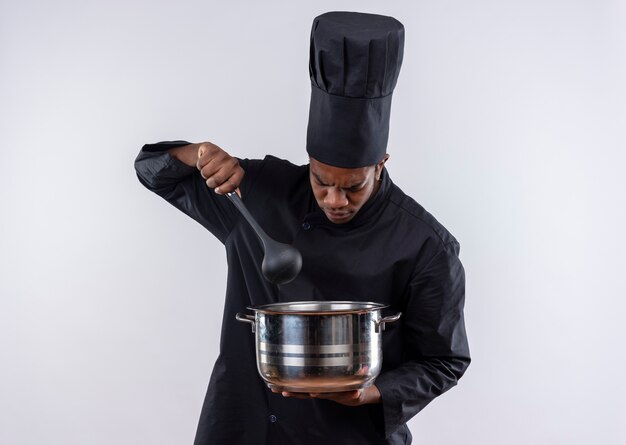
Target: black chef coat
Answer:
[[392, 252]]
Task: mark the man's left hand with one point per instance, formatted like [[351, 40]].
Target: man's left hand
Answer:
[[349, 398]]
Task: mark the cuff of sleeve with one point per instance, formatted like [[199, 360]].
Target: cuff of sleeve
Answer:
[[391, 404], [178, 167]]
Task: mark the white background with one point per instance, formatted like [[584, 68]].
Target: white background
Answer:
[[508, 124]]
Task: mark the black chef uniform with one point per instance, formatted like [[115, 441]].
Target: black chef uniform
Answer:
[[391, 252]]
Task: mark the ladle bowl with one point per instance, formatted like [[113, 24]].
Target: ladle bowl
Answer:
[[281, 262]]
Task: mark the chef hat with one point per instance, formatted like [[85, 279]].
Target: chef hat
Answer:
[[354, 64]]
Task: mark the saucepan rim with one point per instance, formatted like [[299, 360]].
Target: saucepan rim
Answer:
[[318, 307]]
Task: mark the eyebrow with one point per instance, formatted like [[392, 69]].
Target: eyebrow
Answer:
[[355, 185]]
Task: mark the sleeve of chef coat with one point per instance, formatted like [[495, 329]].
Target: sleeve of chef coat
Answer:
[[183, 187], [435, 343]]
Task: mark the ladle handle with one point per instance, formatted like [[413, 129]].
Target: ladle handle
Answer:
[[236, 200]]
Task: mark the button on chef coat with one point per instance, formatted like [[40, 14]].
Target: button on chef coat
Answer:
[[392, 252]]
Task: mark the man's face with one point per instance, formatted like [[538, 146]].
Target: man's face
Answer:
[[341, 192]]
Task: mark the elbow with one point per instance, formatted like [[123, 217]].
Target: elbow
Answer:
[[147, 169], [459, 365]]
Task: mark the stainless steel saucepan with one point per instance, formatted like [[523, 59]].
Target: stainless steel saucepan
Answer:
[[318, 346]]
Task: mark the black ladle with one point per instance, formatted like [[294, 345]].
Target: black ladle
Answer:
[[281, 262]]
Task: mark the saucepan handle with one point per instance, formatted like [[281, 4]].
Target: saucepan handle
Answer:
[[380, 324], [246, 319]]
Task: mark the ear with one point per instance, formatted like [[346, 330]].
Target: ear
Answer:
[[380, 165]]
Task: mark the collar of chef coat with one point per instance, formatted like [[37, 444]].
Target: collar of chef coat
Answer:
[[368, 213]]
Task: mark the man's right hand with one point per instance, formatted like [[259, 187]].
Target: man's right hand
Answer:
[[220, 170]]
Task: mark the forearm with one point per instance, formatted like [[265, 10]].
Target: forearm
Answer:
[[181, 184], [408, 389]]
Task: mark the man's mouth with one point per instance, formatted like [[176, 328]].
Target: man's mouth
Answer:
[[337, 216]]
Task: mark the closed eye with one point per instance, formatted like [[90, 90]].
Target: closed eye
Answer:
[[352, 189]]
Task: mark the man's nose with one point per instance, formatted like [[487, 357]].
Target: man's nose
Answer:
[[336, 198]]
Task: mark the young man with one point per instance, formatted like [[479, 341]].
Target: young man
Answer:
[[360, 236]]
